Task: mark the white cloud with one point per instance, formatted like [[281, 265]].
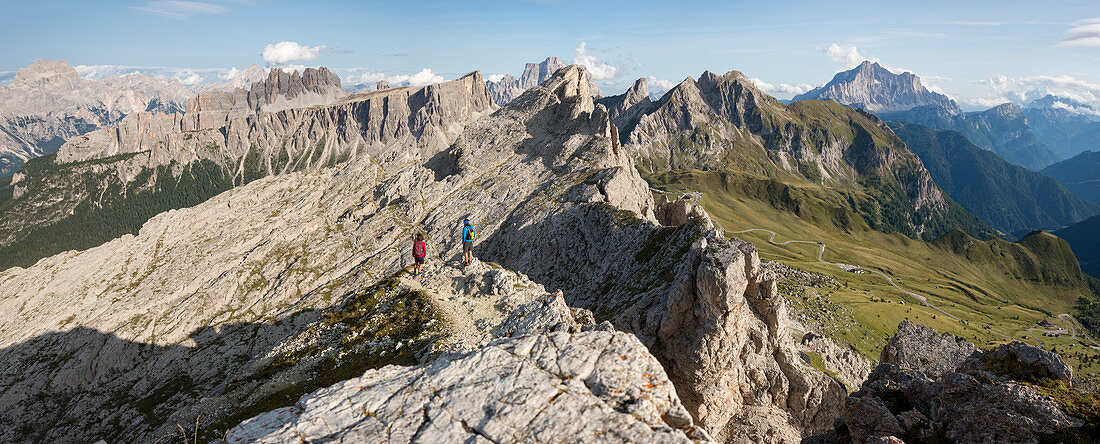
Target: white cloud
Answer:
[[495, 78], [1022, 90], [185, 75], [285, 52], [662, 85], [423, 77], [180, 10], [1087, 34], [848, 56], [782, 89], [598, 69], [229, 74], [364, 78]]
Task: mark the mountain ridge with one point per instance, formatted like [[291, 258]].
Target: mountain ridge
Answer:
[[726, 122]]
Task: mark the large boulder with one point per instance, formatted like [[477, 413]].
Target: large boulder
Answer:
[[937, 386], [920, 348]]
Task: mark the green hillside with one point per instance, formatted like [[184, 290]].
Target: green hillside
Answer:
[[991, 286], [1008, 197], [723, 123]]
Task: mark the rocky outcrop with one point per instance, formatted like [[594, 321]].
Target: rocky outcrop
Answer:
[[920, 348], [874, 88], [508, 87], [282, 90], [48, 103], [846, 365], [981, 397], [585, 387]]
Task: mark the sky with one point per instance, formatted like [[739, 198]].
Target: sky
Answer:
[[980, 53]]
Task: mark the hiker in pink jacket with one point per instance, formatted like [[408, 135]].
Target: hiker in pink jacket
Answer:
[[420, 253]]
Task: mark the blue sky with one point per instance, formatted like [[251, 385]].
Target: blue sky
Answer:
[[981, 52]]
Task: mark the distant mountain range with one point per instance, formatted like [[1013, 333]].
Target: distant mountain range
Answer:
[[1047, 130], [1002, 129], [47, 103], [1011, 198], [724, 124], [871, 87], [1065, 126], [1081, 174]]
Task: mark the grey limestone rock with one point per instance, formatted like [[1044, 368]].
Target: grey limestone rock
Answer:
[[920, 348], [508, 88], [876, 89], [559, 387], [977, 399]]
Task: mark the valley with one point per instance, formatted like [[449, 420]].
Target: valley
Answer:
[[1007, 295]]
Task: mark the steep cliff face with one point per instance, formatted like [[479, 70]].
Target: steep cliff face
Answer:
[[871, 87], [211, 110], [726, 123], [48, 103]]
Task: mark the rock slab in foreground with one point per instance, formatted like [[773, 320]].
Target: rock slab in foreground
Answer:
[[594, 386]]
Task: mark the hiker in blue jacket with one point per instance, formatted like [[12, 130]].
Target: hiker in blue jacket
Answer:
[[467, 242]]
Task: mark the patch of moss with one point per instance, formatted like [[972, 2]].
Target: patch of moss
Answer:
[[656, 241], [1084, 406], [385, 310]]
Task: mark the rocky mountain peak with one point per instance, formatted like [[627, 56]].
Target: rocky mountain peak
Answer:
[[640, 88], [536, 73], [46, 72], [281, 90], [873, 87], [508, 87], [1008, 110]]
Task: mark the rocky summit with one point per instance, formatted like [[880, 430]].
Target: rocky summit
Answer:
[[871, 87], [508, 87]]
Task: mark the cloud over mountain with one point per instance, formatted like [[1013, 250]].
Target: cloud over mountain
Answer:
[[285, 52], [599, 69]]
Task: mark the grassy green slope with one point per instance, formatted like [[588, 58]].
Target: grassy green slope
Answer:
[[993, 284]]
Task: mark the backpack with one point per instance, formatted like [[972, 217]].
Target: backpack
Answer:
[[469, 233], [418, 249]]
